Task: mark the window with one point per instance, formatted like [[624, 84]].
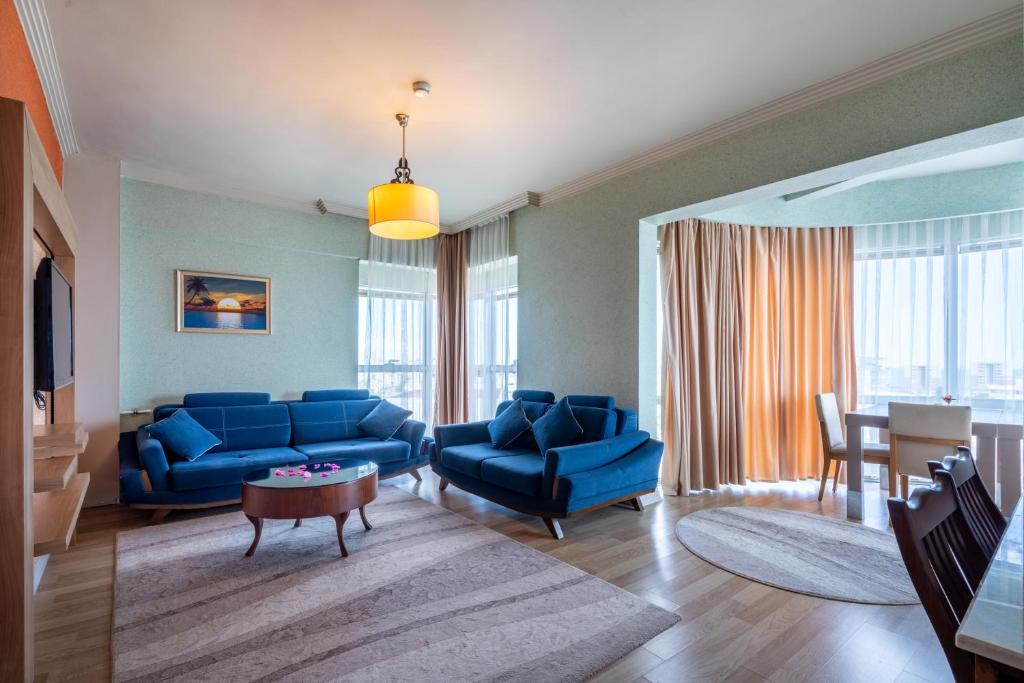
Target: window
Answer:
[[397, 359], [493, 329], [938, 309]]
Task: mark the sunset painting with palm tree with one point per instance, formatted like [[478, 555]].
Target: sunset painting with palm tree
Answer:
[[215, 302]]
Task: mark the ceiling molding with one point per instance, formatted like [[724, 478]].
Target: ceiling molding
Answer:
[[40, 43], [1000, 25], [137, 171], [489, 214]]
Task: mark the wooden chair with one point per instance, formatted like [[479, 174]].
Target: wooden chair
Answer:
[[980, 511], [944, 561], [833, 443], [920, 433]]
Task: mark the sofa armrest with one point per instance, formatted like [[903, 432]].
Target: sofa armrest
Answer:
[[153, 459], [559, 462], [460, 435], [635, 471], [411, 432]]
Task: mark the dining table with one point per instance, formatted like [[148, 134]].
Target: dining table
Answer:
[[998, 436], [993, 628]]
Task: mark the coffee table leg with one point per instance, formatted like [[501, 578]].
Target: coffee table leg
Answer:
[[362, 513], [339, 521], [258, 525], [298, 522]]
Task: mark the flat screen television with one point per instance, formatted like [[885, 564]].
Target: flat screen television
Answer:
[[54, 328]]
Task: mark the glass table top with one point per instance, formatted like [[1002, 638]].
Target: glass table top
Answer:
[[341, 471]]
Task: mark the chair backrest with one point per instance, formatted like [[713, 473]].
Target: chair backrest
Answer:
[[828, 418], [944, 561], [980, 511], [919, 433]]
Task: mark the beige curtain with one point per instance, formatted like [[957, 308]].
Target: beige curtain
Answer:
[[702, 339], [451, 406], [756, 322], [798, 342]]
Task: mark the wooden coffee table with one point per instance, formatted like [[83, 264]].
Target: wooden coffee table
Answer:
[[266, 495]]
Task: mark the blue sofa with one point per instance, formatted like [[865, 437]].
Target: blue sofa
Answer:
[[258, 434], [613, 462]]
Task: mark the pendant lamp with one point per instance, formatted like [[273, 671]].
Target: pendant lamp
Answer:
[[401, 209]]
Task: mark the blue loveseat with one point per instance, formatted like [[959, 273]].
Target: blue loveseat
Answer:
[[258, 434], [612, 462]]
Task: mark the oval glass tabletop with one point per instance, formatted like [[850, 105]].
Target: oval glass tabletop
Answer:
[[341, 471]]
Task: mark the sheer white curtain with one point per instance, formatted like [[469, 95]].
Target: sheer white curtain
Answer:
[[491, 325], [939, 308], [398, 309]]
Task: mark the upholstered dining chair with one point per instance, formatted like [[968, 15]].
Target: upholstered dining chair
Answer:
[[983, 517], [833, 443], [944, 562], [919, 433]]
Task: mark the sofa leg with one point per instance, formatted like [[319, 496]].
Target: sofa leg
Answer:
[[159, 515], [416, 475], [443, 485], [553, 527], [637, 504]]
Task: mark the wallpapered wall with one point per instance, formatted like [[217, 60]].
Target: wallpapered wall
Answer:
[[312, 262], [979, 190], [579, 258]]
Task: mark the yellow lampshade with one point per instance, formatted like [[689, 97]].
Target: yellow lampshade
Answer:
[[403, 211]]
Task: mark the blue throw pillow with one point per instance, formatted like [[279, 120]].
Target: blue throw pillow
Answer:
[[384, 420], [182, 435], [557, 427], [509, 425]]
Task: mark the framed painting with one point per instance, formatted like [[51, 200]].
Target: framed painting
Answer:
[[219, 302]]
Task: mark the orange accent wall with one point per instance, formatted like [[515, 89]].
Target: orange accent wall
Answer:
[[19, 81]]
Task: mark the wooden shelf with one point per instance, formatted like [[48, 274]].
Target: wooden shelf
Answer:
[[53, 473], [62, 434], [73, 448], [55, 514]]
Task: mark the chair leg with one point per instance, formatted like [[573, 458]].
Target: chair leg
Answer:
[[893, 474], [824, 478], [904, 486], [416, 475], [553, 527], [443, 485], [835, 482]]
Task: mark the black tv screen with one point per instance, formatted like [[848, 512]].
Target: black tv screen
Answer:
[[54, 343]]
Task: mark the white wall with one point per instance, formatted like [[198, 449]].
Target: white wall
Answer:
[[92, 188]]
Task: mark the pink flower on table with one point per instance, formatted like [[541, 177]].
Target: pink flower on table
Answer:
[[325, 474], [302, 467], [278, 473], [316, 466]]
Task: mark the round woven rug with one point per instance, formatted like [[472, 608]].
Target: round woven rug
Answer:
[[801, 552]]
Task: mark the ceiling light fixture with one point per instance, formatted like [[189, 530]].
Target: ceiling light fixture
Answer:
[[421, 88], [401, 209]]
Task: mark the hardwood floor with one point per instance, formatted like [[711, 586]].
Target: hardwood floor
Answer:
[[732, 629]]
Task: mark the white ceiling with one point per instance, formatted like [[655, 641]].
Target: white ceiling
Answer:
[[296, 99]]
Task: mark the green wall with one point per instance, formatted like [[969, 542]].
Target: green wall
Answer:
[[579, 258], [312, 262], [981, 190]]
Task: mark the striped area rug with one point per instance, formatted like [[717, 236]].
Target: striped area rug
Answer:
[[427, 595]]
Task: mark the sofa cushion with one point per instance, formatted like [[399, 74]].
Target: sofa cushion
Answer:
[[508, 425], [467, 459], [591, 401], [557, 427], [370, 448], [182, 435], [534, 395], [221, 399], [597, 423], [523, 473], [384, 420], [336, 395], [228, 467], [533, 410], [328, 420], [246, 427]]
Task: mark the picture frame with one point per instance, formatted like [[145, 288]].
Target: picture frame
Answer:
[[222, 303]]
